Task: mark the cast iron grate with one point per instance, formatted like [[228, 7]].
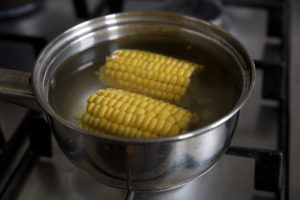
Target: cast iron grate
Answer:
[[17, 158], [271, 167]]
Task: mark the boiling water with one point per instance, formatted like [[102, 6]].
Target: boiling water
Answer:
[[211, 94]]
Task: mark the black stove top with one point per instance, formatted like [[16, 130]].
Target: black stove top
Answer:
[[254, 167]]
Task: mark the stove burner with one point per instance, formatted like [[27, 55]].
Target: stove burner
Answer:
[[271, 166], [206, 10], [13, 8]]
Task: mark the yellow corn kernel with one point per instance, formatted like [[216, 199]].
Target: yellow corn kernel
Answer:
[[170, 119], [145, 123], [108, 112], [165, 129], [92, 97], [146, 134], [85, 118], [164, 95], [131, 108], [107, 126], [149, 107], [114, 115], [105, 101], [98, 99], [125, 106], [169, 88], [128, 114], [186, 83], [167, 78], [127, 119], [158, 126], [119, 104], [95, 110], [126, 131], [120, 130], [174, 130], [163, 86], [139, 134], [139, 120], [112, 102], [178, 117], [140, 111], [90, 107], [96, 122], [173, 80], [176, 89], [102, 112], [161, 77], [120, 117], [152, 124], [132, 121], [114, 128]]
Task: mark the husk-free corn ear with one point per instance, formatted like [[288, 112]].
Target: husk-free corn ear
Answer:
[[148, 73], [127, 114]]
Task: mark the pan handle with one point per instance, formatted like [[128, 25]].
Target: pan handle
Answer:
[[15, 87]]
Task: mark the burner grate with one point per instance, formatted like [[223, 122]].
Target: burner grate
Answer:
[[17, 158], [36, 130], [271, 166]]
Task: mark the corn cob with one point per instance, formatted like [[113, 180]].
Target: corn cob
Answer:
[[127, 114], [148, 73]]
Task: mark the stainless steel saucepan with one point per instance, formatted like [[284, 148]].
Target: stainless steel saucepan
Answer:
[[64, 76]]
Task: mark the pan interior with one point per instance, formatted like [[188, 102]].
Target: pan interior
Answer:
[[213, 93]]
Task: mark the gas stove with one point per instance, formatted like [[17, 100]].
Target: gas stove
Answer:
[[256, 166]]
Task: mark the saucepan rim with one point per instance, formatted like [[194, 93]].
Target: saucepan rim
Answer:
[[43, 62]]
